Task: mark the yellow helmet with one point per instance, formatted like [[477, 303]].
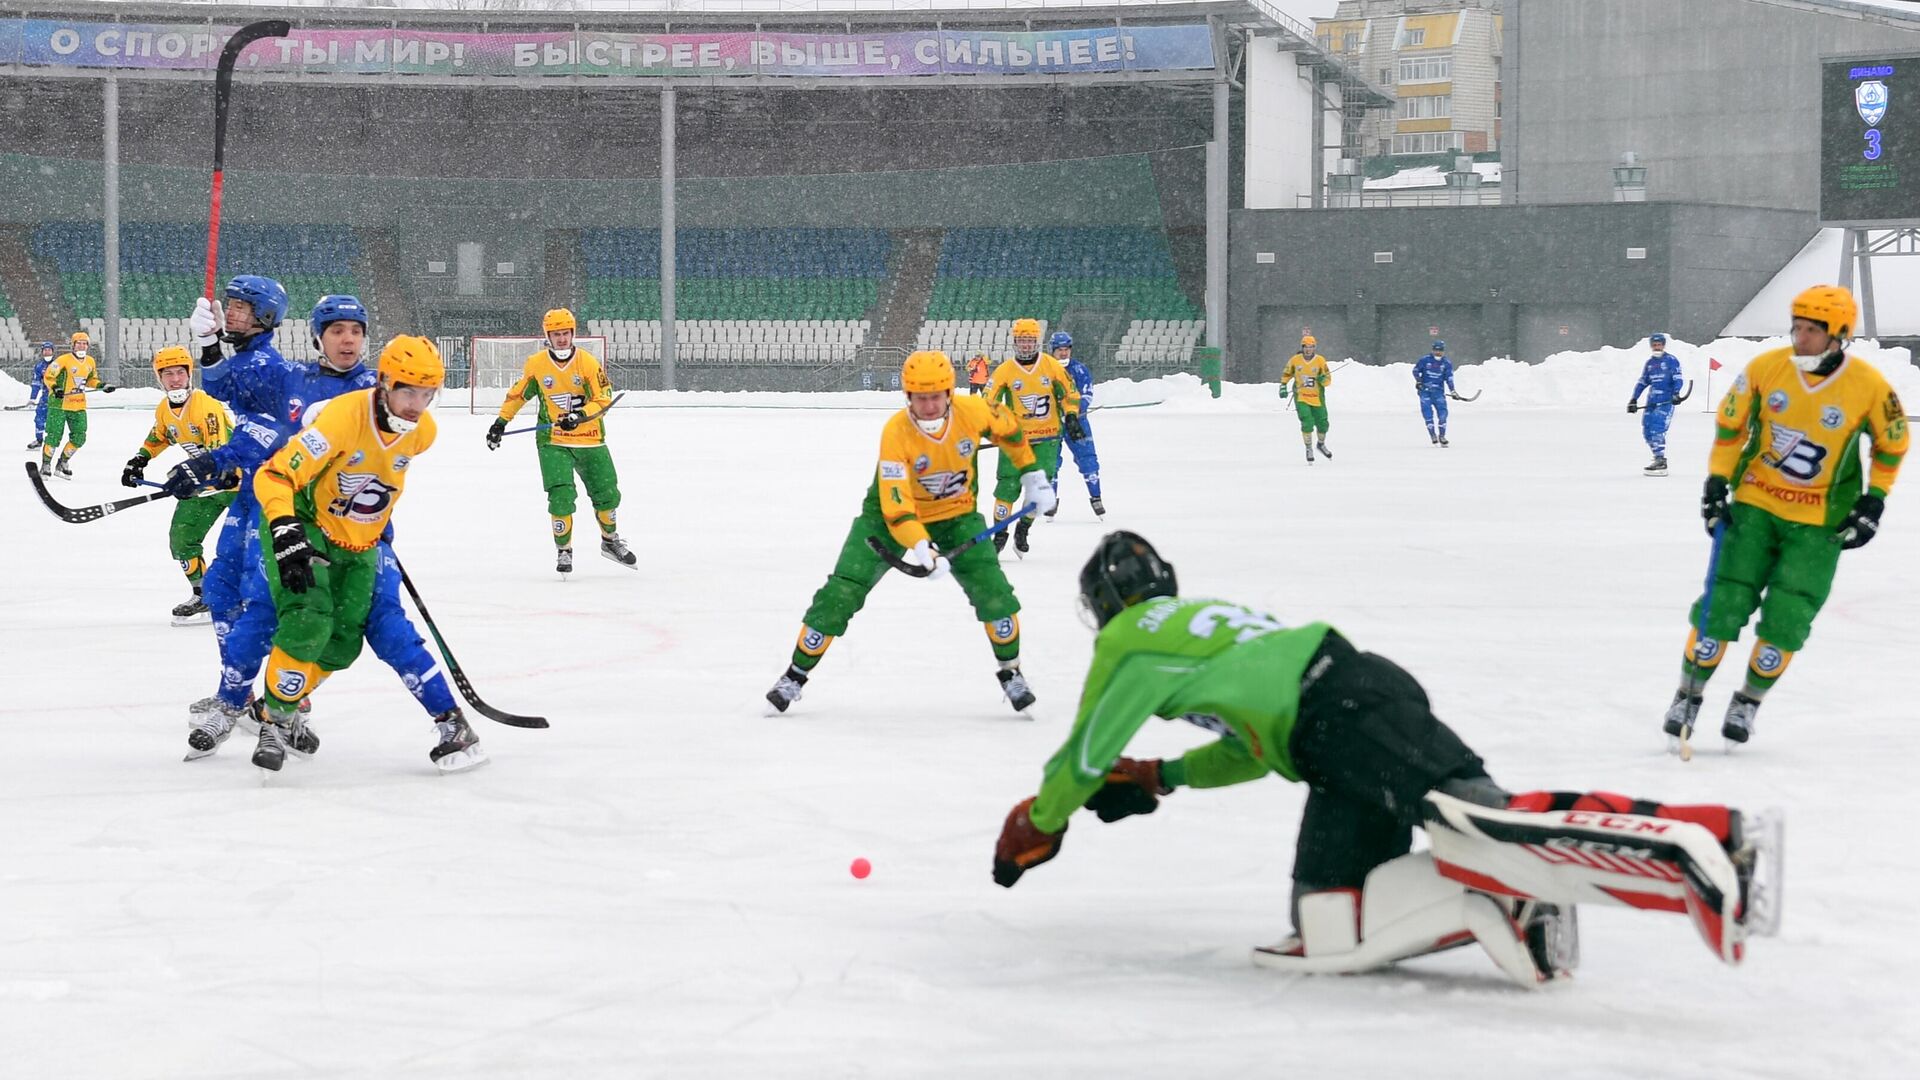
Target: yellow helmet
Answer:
[[1026, 328], [1307, 341], [1829, 305], [413, 361], [926, 372], [558, 319], [80, 336], [172, 356]]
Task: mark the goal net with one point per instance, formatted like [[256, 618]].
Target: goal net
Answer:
[[495, 363]]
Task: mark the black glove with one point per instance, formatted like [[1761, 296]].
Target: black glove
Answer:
[[1713, 503], [495, 433], [1022, 846], [191, 475], [58, 393], [293, 554], [1076, 427], [135, 471], [1132, 787], [108, 388], [1862, 523], [571, 420], [1633, 406]]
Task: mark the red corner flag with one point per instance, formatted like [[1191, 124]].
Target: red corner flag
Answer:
[[1713, 364]]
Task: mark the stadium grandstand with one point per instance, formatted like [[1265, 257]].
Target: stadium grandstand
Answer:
[[822, 223]]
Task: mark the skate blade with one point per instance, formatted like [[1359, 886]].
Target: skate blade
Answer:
[[196, 755], [461, 760], [202, 619], [1766, 848], [267, 768], [618, 561]]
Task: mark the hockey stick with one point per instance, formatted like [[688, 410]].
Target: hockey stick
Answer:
[[1684, 395], [1457, 396], [453, 666], [80, 515], [588, 420], [222, 97], [1685, 747], [911, 570]]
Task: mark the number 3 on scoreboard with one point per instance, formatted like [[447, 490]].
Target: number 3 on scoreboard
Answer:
[[1872, 152]]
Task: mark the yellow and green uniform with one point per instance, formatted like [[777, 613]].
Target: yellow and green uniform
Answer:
[[1039, 395], [1789, 444], [341, 476], [70, 377], [925, 487], [199, 426], [560, 387], [1309, 377]]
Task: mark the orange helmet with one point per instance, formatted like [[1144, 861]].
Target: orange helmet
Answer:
[[1026, 328], [1307, 341], [1831, 306], [172, 356], [414, 361], [558, 319], [926, 372]]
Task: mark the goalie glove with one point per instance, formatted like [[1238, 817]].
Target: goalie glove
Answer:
[[1022, 845], [925, 556], [1132, 787], [205, 323], [1862, 523], [1038, 490]]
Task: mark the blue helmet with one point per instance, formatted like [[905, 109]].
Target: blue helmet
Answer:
[[1061, 340], [1439, 346], [1657, 338], [268, 297], [45, 346], [337, 307]]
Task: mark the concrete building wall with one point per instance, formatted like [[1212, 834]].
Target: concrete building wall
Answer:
[[1522, 281], [1719, 98], [1279, 143]]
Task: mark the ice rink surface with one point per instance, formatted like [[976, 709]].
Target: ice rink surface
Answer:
[[659, 885]]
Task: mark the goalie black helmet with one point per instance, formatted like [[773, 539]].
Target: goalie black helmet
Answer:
[[1123, 571]]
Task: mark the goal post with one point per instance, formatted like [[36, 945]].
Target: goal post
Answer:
[[494, 365]]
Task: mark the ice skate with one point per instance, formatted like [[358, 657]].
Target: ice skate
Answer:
[[1658, 468], [297, 734], [1433, 437], [1000, 542], [1737, 726], [62, 471], [787, 690], [46, 468], [1309, 455], [212, 731], [1020, 531], [36, 444], [270, 752], [1014, 686], [1099, 508], [612, 547], [1324, 452], [1681, 715], [193, 612], [563, 561], [1444, 442], [459, 748]]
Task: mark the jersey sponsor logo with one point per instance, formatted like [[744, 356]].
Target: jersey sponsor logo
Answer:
[[893, 470], [945, 485], [1769, 660], [921, 463], [173, 433], [559, 526], [547, 382], [1789, 496], [363, 498], [811, 640], [578, 381], [402, 462], [1740, 383], [295, 406], [289, 684], [1777, 401], [194, 430], [1016, 384], [1831, 418], [1036, 406], [966, 447], [1003, 630], [258, 433], [315, 443], [358, 457], [1790, 452]]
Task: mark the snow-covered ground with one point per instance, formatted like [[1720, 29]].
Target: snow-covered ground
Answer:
[[659, 886]]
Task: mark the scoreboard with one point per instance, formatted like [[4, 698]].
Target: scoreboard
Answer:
[[1870, 140]]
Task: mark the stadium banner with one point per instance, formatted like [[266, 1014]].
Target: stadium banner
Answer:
[[196, 46]]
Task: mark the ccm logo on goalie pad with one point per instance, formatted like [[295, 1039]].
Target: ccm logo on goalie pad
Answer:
[[1619, 823]]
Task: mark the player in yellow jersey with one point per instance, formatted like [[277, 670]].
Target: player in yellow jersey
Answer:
[[67, 381], [325, 498], [573, 392], [196, 423], [1038, 391], [1306, 373], [924, 499], [1784, 483]]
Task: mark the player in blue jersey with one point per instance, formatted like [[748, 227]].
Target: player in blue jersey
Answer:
[[271, 397], [1085, 457], [1661, 379], [1433, 381], [37, 395]]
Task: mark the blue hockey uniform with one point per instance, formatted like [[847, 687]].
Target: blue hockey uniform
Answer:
[[1662, 381], [37, 395], [1085, 457], [1433, 381]]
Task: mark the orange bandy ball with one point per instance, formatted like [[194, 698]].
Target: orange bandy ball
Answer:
[[861, 868]]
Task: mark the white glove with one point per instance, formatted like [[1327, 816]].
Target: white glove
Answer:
[[923, 556], [1038, 490], [205, 322]]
